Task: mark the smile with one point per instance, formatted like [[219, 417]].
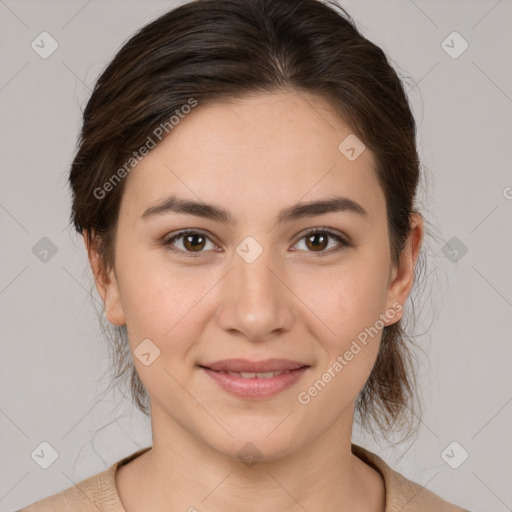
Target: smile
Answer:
[[252, 375], [255, 385]]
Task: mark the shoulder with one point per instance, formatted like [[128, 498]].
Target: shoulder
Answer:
[[402, 494], [97, 493], [94, 493]]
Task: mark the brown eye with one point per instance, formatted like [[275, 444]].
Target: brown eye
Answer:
[[191, 242], [317, 241], [194, 242]]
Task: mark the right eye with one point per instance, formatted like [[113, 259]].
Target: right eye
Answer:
[[191, 241]]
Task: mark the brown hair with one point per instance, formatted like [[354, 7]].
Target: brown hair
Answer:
[[211, 50]]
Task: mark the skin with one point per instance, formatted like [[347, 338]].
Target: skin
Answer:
[[253, 156]]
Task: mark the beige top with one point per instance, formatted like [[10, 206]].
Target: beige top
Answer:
[[98, 493]]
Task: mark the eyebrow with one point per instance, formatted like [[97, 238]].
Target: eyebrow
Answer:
[[174, 204]]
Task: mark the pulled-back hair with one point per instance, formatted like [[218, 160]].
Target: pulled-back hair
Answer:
[[210, 50]]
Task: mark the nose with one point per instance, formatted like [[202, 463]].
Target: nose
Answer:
[[256, 300]]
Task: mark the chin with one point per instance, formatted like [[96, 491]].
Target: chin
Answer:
[[250, 445]]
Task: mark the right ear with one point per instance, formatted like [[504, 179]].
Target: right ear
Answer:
[[106, 282]]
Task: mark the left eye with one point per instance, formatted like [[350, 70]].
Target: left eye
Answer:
[[316, 240], [193, 241]]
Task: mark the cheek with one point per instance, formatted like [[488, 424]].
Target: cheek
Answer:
[[159, 299], [349, 337], [347, 298], [163, 305]]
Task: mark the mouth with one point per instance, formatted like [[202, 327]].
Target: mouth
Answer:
[[253, 375], [247, 366], [255, 379]]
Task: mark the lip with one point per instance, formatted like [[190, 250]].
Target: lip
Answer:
[[255, 387]]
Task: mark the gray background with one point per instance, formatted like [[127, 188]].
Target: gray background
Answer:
[[54, 364]]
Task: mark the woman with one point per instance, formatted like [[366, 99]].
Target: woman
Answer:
[[245, 184]]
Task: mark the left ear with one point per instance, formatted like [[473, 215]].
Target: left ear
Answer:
[[402, 275]]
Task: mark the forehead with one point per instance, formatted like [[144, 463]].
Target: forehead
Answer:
[[253, 153]]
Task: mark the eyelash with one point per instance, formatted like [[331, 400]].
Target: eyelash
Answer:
[[167, 242]]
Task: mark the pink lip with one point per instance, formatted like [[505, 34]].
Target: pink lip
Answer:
[[255, 387]]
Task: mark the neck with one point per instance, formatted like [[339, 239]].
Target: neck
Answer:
[[181, 472]]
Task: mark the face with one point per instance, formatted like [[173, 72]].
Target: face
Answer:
[[255, 284]]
